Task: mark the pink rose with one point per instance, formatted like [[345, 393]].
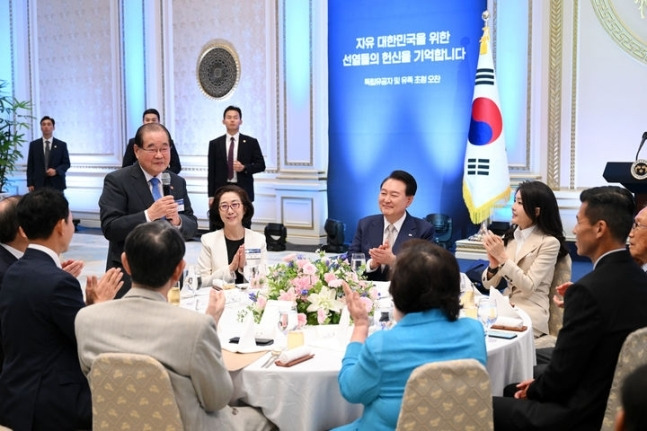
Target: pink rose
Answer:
[[309, 269], [321, 316], [335, 283], [302, 319], [261, 302], [289, 257], [329, 276]]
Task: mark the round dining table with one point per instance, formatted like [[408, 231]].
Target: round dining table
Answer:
[[306, 396]]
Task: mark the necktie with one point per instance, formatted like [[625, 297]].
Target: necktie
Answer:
[[390, 234], [46, 154], [230, 160], [155, 182]]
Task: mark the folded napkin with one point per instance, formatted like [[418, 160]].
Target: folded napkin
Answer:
[[294, 356], [247, 340], [507, 316]]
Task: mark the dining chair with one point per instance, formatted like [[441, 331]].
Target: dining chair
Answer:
[[448, 395], [632, 355], [555, 313], [131, 391]]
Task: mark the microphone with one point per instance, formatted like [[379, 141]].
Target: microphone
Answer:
[[166, 182], [644, 138]]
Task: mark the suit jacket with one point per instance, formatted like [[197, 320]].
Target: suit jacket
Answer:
[[213, 261], [375, 373], [59, 159], [41, 385], [130, 158], [529, 275], [186, 343], [249, 154], [370, 234], [600, 310], [125, 197], [6, 260]]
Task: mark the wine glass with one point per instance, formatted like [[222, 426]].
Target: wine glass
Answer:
[[358, 263], [487, 313]]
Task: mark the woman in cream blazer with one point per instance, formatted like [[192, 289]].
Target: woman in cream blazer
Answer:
[[527, 254], [223, 251]]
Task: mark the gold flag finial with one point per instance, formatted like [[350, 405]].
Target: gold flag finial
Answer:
[[485, 39]]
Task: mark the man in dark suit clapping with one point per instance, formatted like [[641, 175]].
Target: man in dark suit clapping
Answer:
[[48, 159], [380, 236], [600, 310], [41, 384]]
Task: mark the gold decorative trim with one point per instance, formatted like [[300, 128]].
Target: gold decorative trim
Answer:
[[618, 30], [529, 87], [277, 80], [218, 69], [311, 93], [576, 8], [311, 226], [555, 89]]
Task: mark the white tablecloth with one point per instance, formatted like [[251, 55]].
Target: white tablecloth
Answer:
[[306, 396]]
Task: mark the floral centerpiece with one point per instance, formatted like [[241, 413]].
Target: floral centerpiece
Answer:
[[316, 286]]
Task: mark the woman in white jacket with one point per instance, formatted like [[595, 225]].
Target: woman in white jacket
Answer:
[[223, 251], [527, 254]]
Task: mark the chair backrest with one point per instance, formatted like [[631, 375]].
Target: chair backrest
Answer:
[[443, 227], [447, 395], [632, 355], [561, 276], [131, 391]]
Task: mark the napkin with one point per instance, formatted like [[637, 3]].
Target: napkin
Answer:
[[507, 316], [342, 329], [248, 336], [291, 355]]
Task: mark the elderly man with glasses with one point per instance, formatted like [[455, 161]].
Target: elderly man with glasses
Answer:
[[144, 192], [638, 239]]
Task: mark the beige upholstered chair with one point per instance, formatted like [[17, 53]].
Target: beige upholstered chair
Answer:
[[555, 313], [132, 391], [448, 395], [632, 355]]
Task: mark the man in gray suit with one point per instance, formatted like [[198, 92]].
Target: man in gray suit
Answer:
[[186, 343]]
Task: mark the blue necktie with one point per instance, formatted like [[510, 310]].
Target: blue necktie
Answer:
[[155, 182]]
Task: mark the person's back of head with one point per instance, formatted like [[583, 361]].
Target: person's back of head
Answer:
[[612, 204], [153, 252], [425, 276], [39, 212], [633, 416], [9, 219], [411, 186]]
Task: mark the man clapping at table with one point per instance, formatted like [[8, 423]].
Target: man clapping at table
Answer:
[[600, 310], [186, 343]]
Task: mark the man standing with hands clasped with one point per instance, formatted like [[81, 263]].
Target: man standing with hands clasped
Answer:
[[48, 159], [137, 194], [233, 158]]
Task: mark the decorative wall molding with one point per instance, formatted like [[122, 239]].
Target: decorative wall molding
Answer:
[[621, 31], [555, 87]]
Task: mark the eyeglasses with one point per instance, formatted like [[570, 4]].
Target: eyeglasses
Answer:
[[154, 151], [225, 207], [637, 226]]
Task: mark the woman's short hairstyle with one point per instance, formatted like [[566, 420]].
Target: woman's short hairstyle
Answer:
[[214, 211], [425, 276]]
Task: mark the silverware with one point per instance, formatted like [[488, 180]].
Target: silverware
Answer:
[[274, 354]]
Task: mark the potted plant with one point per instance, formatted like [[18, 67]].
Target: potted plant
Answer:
[[14, 122]]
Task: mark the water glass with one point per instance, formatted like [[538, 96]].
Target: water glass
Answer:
[[487, 313], [191, 279], [252, 264], [358, 263]]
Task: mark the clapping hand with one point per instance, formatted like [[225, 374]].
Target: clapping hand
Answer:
[[495, 248], [73, 267], [105, 288], [558, 298]]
